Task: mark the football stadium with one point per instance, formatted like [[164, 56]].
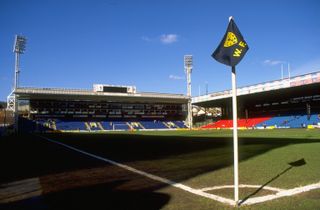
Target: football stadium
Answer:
[[288, 103], [103, 109], [113, 146]]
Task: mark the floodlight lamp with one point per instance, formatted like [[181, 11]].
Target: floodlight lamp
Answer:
[[20, 44], [188, 61]]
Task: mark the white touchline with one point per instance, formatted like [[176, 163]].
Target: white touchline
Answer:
[[201, 192]]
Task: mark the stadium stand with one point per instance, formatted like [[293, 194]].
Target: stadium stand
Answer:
[[75, 125], [287, 103], [94, 126], [291, 121], [246, 123], [106, 125], [180, 124], [287, 121], [136, 125], [104, 108], [153, 125], [71, 125], [120, 125]]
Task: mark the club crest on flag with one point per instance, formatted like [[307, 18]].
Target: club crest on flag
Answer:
[[230, 40]]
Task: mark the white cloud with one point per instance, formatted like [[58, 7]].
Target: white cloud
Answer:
[[164, 38], [273, 62], [168, 38], [175, 77]]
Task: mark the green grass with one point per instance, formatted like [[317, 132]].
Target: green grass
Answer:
[[275, 133], [204, 158]]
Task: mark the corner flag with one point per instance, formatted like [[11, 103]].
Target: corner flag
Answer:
[[230, 51], [232, 47]]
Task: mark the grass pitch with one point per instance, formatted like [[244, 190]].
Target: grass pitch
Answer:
[[198, 159]]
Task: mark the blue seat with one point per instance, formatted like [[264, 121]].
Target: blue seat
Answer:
[[107, 125], [180, 124], [291, 121], [71, 125], [153, 125]]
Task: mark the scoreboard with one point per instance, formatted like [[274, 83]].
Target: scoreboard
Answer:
[[114, 88]]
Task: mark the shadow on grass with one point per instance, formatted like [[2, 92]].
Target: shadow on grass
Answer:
[[297, 163], [100, 197], [174, 157]]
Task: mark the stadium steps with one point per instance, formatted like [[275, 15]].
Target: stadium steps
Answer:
[[87, 126], [136, 125], [100, 126], [130, 126], [53, 125], [166, 125], [141, 125], [94, 126], [175, 125], [180, 124]]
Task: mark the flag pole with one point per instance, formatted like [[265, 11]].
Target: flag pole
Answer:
[[235, 133], [235, 136], [230, 51]]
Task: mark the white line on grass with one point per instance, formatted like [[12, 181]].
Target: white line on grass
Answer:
[[283, 193], [201, 192], [151, 176], [241, 186]]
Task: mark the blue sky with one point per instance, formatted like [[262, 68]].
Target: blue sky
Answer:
[[76, 43]]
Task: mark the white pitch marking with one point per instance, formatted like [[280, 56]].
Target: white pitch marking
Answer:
[[283, 193], [200, 192], [151, 176], [241, 186]]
